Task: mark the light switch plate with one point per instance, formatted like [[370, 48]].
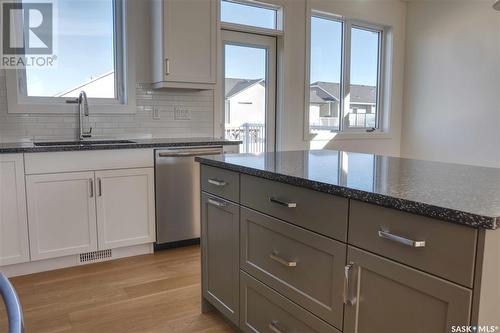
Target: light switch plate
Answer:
[[181, 113], [156, 113]]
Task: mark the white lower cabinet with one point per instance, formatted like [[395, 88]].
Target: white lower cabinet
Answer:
[[125, 207], [14, 247], [78, 212], [61, 214]]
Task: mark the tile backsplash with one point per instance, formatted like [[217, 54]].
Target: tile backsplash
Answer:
[[160, 114]]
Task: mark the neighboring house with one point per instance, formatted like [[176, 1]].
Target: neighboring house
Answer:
[[102, 86], [324, 105], [245, 102]]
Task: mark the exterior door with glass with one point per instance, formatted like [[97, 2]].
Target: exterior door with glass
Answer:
[[249, 92]]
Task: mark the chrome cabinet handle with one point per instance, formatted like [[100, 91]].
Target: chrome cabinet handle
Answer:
[[274, 328], [167, 66], [190, 153], [349, 299], [99, 186], [216, 203], [284, 262], [216, 182], [91, 187], [402, 240], [283, 203]]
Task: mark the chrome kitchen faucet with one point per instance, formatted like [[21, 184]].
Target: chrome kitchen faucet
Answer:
[[83, 111]]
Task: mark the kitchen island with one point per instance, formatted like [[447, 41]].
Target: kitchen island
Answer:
[[329, 241]]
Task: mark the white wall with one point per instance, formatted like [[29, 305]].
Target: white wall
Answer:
[[291, 58], [384, 12], [452, 88]]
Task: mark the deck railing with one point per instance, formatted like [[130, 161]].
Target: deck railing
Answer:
[[252, 135]]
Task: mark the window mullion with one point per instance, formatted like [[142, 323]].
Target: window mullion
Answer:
[[346, 75]]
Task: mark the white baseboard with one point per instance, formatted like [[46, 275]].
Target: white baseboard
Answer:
[[70, 261]]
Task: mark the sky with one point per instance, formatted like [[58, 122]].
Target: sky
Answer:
[[83, 46]]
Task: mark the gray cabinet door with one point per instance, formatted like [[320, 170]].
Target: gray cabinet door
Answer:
[[383, 296], [220, 248]]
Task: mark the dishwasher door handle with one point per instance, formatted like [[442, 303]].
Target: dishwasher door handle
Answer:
[[180, 153]]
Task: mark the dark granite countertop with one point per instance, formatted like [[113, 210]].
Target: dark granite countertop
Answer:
[[462, 194], [29, 147]]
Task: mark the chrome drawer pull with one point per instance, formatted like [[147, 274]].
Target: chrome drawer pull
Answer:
[[99, 186], [348, 298], [217, 182], [283, 203], [274, 328], [399, 239], [91, 185], [216, 203], [275, 257]]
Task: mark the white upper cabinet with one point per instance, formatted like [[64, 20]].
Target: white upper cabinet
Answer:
[[125, 207], [184, 42], [62, 214], [13, 221]]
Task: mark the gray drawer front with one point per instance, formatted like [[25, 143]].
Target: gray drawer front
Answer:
[[449, 250], [262, 307], [269, 249], [323, 213], [223, 183]]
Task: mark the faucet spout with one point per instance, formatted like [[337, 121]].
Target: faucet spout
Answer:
[[82, 101], [83, 111]]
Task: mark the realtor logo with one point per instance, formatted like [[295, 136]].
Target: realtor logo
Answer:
[[27, 28], [27, 34]]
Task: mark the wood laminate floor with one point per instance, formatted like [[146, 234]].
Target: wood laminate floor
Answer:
[[150, 293]]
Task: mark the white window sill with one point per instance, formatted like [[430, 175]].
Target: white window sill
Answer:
[[354, 136]]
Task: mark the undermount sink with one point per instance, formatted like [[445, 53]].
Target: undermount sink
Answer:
[[81, 143]]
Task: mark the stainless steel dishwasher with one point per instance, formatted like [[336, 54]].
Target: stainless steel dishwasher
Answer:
[[177, 179]]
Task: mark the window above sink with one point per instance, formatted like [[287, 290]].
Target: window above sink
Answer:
[[91, 55]]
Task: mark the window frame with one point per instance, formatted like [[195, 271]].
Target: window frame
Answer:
[[382, 111], [269, 44], [124, 101], [278, 31]]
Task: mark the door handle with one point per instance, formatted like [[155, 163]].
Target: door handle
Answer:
[[99, 186], [91, 187], [216, 203], [284, 262], [349, 299], [167, 66], [402, 240], [283, 203], [216, 182]]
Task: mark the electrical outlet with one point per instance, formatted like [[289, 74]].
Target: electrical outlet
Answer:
[[181, 113], [156, 113]]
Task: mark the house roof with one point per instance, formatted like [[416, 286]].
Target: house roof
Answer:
[[91, 84], [322, 92], [234, 86]]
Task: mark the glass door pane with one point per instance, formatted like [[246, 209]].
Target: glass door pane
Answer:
[[248, 92]]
